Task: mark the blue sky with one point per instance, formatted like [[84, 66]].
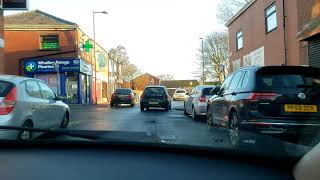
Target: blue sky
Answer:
[[161, 36]]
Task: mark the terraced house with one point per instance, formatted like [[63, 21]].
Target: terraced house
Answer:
[[261, 33]]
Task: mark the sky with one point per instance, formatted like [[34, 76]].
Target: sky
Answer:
[[160, 36]]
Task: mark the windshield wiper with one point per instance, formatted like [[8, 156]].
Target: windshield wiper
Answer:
[[71, 133]]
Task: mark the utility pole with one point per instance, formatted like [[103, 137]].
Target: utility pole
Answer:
[[203, 78], [94, 53]]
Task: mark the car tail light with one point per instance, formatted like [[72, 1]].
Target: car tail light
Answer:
[[130, 96], [202, 99], [262, 96], [142, 96], [8, 103], [114, 95]]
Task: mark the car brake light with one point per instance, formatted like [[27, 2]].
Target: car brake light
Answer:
[[262, 96], [142, 96], [130, 96], [202, 99], [8, 103]]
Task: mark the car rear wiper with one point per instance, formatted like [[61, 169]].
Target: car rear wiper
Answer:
[[53, 132]]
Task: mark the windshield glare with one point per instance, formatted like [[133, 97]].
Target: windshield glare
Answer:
[[155, 70]]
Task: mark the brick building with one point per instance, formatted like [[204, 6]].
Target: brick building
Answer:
[[140, 82], [266, 32], [36, 42]]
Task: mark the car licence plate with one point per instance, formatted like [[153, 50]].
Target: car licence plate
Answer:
[[153, 103], [300, 108]]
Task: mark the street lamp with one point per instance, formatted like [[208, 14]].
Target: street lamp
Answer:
[[94, 51], [203, 78]]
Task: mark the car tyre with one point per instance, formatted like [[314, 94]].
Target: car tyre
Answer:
[[25, 135], [167, 108], [132, 105], [65, 121], [141, 108], [194, 114], [185, 111], [209, 118], [112, 104]]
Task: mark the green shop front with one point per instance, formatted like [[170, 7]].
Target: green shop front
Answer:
[[71, 78]]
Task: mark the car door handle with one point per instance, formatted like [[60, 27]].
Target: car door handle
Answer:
[[233, 93]]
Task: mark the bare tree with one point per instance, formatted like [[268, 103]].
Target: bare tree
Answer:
[[215, 57], [120, 57], [228, 8], [164, 77]]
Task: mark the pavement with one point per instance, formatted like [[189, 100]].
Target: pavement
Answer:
[[171, 127]]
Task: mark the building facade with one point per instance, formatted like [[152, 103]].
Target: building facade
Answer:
[[57, 52], [140, 82], [265, 32]]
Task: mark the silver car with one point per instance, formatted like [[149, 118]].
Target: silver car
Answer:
[[196, 103], [179, 94], [27, 102]]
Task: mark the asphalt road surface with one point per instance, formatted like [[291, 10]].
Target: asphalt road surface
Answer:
[[171, 127]]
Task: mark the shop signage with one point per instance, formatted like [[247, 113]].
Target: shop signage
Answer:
[[50, 45], [14, 4], [85, 67]]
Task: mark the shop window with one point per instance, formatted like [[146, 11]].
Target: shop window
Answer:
[[271, 18], [49, 42]]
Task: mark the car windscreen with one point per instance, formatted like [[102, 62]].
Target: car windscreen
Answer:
[[288, 81], [5, 88], [123, 91], [181, 91], [154, 90]]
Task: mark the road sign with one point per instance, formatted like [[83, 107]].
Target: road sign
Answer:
[[14, 4]]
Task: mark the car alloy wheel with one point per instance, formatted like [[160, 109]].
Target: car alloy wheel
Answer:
[[25, 135], [234, 134]]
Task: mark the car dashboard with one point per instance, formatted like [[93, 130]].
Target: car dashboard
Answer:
[[34, 161]]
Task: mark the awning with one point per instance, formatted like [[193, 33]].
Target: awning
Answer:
[[310, 29]]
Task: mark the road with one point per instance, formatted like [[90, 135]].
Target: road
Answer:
[[172, 126]]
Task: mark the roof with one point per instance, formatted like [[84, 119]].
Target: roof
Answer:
[[179, 83], [242, 10], [145, 74], [12, 78], [36, 19]]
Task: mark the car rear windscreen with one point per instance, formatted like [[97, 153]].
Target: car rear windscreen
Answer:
[[288, 81], [123, 91], [154, 90], [181, 91], [5, 88], [208, 91]]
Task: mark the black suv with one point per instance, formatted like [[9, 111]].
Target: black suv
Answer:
[[269, 100], [122, 96], [155, 96]]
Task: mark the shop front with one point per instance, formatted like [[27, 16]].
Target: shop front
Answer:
[[71, 78]]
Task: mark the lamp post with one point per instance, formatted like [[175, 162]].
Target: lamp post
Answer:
[[203, 78], [94, 51]]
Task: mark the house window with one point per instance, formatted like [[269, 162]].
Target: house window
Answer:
[[271, 18], [49, 42], [239, 40]]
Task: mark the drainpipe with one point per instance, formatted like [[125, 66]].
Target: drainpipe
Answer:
[[284, 33]]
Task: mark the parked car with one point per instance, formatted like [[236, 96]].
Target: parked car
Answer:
[[122, 96], [171, 91], [196, 102], [28, 102], [270, 100], [155, 96], [180, 94]]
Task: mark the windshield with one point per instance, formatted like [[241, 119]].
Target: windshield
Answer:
[[123, 91], [155, 68], [181, 91]]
